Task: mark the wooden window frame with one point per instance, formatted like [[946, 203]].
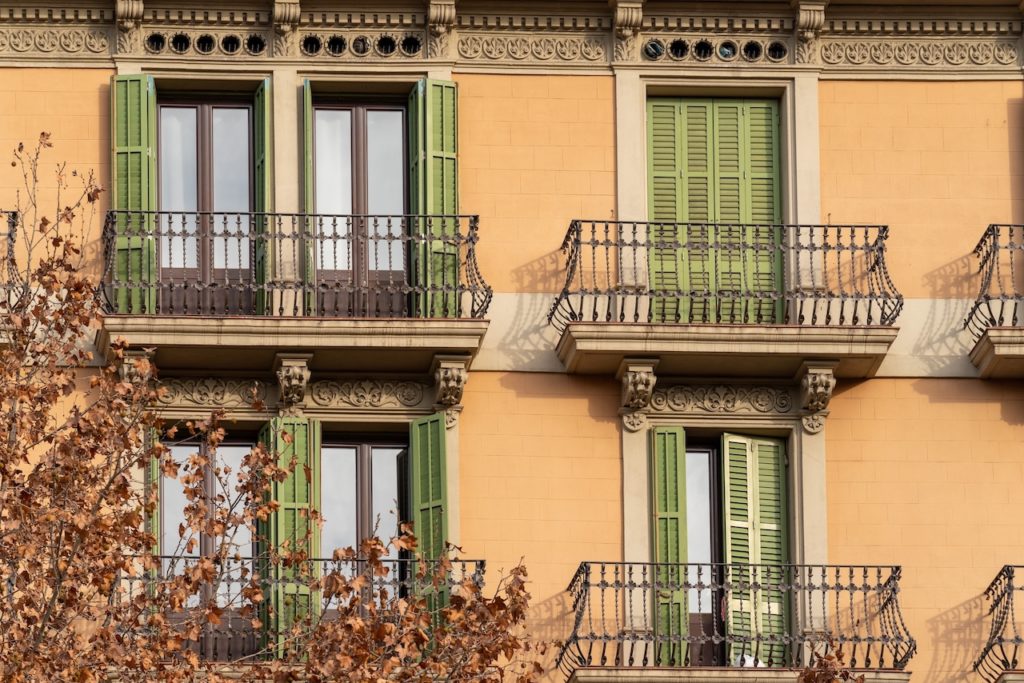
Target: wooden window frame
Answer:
[[364, 446]]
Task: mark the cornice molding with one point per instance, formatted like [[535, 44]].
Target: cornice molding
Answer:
[[809, 34]]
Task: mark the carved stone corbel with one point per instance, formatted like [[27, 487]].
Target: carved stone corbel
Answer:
[[450, 376], [137, 366], [292, 379], [129, 25], [285, 17], [440, 20], [638, 380], [627, 18], [810, 17], [817, 383]]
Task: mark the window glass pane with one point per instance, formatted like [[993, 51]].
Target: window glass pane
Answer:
[[227, 486], [332, 135], [231, 166], [179, 182], [384, 492], [385, 186], [698, 526], [172, 508], [338, 499]]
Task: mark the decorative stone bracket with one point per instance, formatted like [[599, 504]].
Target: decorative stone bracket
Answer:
[[292, 377], [810, 18], [638, 380], [450, 375], [817, 383], [440, 20], [137, 366], [129, 23], [286, 20], [628, 16]]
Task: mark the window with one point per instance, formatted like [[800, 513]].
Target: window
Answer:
[[361, 492], [201, 160], [714, 163], [359, 198], [220, 483], [721, 516], [205, 196]]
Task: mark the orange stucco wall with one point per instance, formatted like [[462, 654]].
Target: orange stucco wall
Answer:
[[534, 153], [72, 105], [541, 480], [936, 161], [927, 473]]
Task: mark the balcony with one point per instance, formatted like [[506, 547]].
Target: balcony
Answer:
[[725, 621], [236, 637], [999, 656], [997, 317], [241, 286], [725, 299]]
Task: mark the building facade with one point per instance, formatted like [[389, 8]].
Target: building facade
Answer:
[[708, 311]]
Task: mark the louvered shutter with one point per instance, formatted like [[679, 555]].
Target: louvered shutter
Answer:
[[429, 486], [133, 167], [667, 203], [668, 468], [309, 198], [729, 240], [763, 267], [288, 596], [434, 185], [263, 225], [697, 122], [756, 548]]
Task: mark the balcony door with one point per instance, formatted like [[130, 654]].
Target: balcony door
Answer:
[[206, 199], [714, 164], [721, 547], [359, 229]]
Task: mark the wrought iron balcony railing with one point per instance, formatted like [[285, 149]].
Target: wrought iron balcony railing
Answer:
[[734, 615], [12, 285], [1000, 301], [1000, 652], [621, 271], [281, 264], [237, 636]]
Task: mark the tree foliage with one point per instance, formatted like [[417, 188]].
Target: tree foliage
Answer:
[[83, 594]]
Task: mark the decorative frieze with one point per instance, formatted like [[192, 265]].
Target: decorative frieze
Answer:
[[723, 399], [51, 41], [366, 393], [531, 48], [211, 393], [923, 53]]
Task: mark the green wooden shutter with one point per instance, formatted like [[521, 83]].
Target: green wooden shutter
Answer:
[[756, 534], [288, 595], [133, 167], [433, 197], [726, 154], [263, 224], [667, 203], [427, 477], [668, 480], [309, 197], [763, 267]]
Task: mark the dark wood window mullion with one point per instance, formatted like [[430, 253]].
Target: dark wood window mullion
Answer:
[[205, 205]]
